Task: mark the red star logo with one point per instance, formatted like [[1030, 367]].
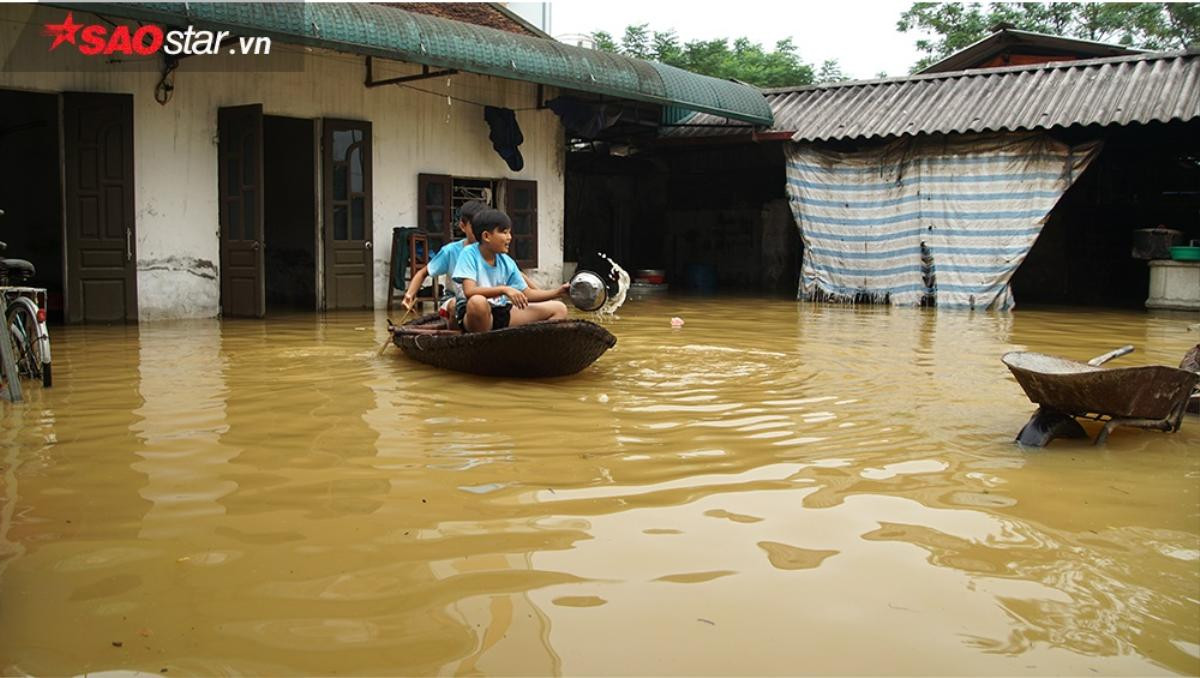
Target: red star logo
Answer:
[[64, 32]]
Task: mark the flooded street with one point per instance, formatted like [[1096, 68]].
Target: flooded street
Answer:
[[774, 488]]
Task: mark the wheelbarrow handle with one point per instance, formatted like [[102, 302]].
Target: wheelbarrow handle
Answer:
[[1116, 353]]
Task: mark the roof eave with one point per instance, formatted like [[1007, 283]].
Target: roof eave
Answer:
[[161, 12]]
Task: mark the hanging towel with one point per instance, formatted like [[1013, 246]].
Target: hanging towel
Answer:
[[506, 135]]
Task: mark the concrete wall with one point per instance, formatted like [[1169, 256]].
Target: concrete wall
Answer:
[[175, 155]]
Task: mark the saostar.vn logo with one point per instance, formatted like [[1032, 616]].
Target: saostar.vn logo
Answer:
[[92, 39]]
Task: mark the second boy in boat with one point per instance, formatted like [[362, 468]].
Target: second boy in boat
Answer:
[[445, 260], [494, 292]]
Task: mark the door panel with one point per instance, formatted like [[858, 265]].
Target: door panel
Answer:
[[346, 207], [240, 181], [101, 267]]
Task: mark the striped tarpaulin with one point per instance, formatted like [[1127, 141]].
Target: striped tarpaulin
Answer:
[[926, 218]]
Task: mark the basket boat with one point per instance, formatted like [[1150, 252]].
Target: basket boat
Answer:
[[552, 348]]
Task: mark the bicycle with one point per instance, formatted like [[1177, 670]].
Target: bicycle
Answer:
[[24, 316]]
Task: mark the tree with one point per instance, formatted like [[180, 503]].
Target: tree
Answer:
[[604, 41], [1145, 25], [831, 72], [636, 42], [740, 60], [666, 46]]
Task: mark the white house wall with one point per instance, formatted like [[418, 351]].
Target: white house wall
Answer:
[[175, 154]]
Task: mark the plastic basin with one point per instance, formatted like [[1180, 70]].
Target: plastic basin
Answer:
[[1185, 253]]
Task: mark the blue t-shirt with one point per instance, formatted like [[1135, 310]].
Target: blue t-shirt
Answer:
[[505, 273], [445, 260]]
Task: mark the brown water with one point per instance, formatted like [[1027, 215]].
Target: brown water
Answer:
[[773, 488]]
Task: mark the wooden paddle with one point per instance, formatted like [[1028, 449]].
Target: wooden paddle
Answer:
[[390, 326], [404, 317]]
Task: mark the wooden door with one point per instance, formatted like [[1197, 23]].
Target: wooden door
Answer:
[[101, 261], [346, 208], [239, 186]]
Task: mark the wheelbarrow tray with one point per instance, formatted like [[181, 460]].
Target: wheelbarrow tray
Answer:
[[1151, 392]]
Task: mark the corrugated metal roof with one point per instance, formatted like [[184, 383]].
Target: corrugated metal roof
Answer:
[[1011, 39], [1141, 88], [388, 32]]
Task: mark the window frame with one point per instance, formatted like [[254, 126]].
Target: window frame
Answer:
[[503, 191], [509, 189]]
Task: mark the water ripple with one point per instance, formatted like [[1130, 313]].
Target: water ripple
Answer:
[[274, 497]]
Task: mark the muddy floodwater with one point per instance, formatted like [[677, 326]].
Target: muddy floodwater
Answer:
[[773, 488]]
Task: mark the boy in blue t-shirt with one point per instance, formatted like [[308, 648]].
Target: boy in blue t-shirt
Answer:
[[444, 261], [494, 292]]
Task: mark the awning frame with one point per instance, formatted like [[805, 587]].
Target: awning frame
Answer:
[[425, 74]]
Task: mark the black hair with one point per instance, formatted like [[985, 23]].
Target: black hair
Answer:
[[469, 210], [490, 220]]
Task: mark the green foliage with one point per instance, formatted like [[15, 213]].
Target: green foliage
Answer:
[[831, 72], [636, 42], [742, 60], [1145, 25], [604, 41]]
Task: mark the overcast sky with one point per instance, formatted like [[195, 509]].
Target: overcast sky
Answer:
[[860, 34]]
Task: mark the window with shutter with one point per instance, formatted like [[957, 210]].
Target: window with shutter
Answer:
[[439, 196], [433, 209], [520, 203]]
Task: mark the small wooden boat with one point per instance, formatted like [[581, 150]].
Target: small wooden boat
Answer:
[[1152, 397], [552, 348]]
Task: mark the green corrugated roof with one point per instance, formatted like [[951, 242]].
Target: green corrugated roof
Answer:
[[392, 33], [674, 114]]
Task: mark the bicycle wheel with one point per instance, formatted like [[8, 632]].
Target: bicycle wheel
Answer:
[[23, 327]]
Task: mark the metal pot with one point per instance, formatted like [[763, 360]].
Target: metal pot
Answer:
[[1155, 243], [587, 291]]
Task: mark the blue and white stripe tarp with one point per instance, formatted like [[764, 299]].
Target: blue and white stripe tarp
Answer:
[[926, 217]]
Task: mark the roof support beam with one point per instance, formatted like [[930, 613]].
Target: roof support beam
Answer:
[[425, 74]]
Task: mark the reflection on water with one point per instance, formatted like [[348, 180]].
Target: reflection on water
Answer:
[[771, 489]]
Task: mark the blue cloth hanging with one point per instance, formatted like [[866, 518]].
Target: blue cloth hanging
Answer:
[[506, 135], [584, 118]]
